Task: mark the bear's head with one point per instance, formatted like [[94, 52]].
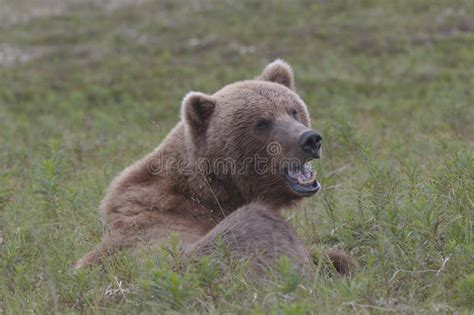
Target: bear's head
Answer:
[[254, 137]]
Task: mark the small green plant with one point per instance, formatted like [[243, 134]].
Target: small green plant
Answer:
[[5, 193], [49, 176], [174, 249], [207, 273], [466, 290], [170, 288], [290, 275]]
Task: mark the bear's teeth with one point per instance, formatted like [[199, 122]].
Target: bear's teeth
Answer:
[[309, 181], [294, 173], [306, 169]]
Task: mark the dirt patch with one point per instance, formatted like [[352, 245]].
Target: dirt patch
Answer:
[[11, 55]]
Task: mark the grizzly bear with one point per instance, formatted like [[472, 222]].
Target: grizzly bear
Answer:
[[226, 171]]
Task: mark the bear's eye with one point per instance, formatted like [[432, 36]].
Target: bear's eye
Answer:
[[294, 113], [263, 124]]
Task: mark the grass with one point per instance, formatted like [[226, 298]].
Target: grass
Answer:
[[389, 84]]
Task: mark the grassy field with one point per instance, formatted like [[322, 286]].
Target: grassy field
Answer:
[[86, 89]]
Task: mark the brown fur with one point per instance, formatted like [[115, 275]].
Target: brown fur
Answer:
[[167, 191], [342, 262], [254, 231]]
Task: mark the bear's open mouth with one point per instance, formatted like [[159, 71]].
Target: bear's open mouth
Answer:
[[302, 179]]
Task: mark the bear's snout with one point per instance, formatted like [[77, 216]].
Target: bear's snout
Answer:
[[311, 142]]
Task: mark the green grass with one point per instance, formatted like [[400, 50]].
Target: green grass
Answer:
[[390, 84]]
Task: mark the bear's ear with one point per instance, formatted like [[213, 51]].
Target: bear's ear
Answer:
[[197, 109], [279, 72]]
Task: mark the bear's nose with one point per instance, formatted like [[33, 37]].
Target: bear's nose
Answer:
[[310, 142]]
